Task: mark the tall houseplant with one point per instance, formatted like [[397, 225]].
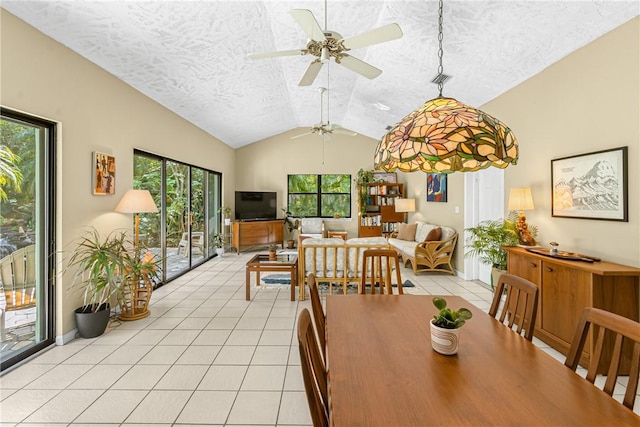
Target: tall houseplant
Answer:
[[108, 270], [486, 240], [99, 265]]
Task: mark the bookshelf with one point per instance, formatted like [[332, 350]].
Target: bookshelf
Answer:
[[380, 216]]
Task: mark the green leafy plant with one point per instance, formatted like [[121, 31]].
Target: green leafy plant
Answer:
[[225, 211], [103, 267], [362, 179], [291, 222], [218, 240], [448, 318]]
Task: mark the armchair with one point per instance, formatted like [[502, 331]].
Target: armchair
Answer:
[[310, 227]]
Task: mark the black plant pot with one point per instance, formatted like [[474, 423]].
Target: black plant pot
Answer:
[[90, 322]]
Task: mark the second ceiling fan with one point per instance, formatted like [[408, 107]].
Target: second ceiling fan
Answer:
[[330, 44], [325, 129]]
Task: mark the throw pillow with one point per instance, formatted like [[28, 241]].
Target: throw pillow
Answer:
[[407, 231], [434, 235]]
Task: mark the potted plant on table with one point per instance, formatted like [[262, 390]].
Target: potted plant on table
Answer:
[[486, 240], [273, 251], [445, 327]]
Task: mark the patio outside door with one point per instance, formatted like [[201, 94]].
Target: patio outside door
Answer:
[[27, 171]]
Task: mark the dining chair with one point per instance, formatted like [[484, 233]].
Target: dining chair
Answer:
[[377, 269], [314, 372], [619, 327], [318, 313], [521, 304]]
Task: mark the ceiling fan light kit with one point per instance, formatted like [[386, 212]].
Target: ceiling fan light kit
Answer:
[[445, 135]]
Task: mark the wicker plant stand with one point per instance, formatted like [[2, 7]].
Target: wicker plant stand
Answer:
[[135, 299]]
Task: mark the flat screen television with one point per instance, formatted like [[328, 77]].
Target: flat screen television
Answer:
[[256, 205]]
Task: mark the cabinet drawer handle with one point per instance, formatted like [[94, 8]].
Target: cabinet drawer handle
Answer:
[[549, 269], [533, 265]]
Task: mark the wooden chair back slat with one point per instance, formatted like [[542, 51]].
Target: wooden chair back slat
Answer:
[[314, 372], [377, 269], [624, 329], [521, 304], [318, 313]]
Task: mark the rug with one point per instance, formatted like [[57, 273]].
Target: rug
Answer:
[[285, 279]]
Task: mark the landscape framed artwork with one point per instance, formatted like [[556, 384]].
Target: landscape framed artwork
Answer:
[[591, 186], [436, 187], [385, 177], [104, 174]]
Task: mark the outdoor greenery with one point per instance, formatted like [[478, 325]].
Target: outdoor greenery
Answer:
[[319, 195], [448, 318], [17, 175]]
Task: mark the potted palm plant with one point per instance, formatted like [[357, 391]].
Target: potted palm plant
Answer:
[[486, 240], [108, 271], [445, 327], [99, 265]]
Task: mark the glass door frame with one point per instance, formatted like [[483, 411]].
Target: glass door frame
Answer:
[[45, 239]]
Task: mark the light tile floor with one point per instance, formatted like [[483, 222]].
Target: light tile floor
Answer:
[[204, 356]]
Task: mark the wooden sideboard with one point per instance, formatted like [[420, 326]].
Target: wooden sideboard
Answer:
[[566, 287], [256, 233]]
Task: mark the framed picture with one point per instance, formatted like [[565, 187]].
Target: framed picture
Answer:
[[591, 186], [436, 187], [104, 174], [385, 177]]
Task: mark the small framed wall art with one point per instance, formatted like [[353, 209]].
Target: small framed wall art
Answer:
[[104, 174], [591, 186], [385, 177], [436, 187]]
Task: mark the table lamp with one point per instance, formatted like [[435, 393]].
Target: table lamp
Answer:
[[405, 205], [520, 200], [136, 202]]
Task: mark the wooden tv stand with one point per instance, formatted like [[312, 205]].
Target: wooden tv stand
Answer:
[[246, 234]]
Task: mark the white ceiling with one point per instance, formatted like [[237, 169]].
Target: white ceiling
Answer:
[[192, 56]]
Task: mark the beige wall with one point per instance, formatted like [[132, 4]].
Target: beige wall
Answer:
[[96, 111], [589, 101], [264, 165]]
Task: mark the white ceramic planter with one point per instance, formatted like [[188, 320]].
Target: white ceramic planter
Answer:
[[227, 221], [444, 341]]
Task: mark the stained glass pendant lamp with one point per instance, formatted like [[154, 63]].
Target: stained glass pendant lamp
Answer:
[[445, 135]]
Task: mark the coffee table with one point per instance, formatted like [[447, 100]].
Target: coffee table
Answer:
[[282, 263]]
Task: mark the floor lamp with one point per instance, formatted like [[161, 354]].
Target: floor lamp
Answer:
[[137, 202], [136, 296]]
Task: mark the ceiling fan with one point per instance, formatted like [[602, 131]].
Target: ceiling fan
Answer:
[[325, 130], [330, 44]]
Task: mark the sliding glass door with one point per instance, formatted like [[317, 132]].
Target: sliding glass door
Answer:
[[27, 173], [181, 232]]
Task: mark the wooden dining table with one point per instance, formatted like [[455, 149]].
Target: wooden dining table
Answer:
[[382, 371]]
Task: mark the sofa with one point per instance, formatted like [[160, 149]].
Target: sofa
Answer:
[[334, 260], [427, 247]]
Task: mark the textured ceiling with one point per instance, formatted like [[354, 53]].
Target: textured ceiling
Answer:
[[191, 57]]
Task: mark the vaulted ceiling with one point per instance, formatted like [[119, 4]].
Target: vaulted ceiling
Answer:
[[191, 57]]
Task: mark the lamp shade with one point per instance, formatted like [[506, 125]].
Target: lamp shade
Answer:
[[405, 205], [520, 199], [443, 136], [136, 201]]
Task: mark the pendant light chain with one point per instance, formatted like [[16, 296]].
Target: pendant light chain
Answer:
[[440, 51]]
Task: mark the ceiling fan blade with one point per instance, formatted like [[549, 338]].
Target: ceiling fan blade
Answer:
[[301, 135], [312, 72], [344, 132], [308, 23], [275, 54], [360, 67], [375, 36]]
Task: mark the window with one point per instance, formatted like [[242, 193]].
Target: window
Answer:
[[326, 196]]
